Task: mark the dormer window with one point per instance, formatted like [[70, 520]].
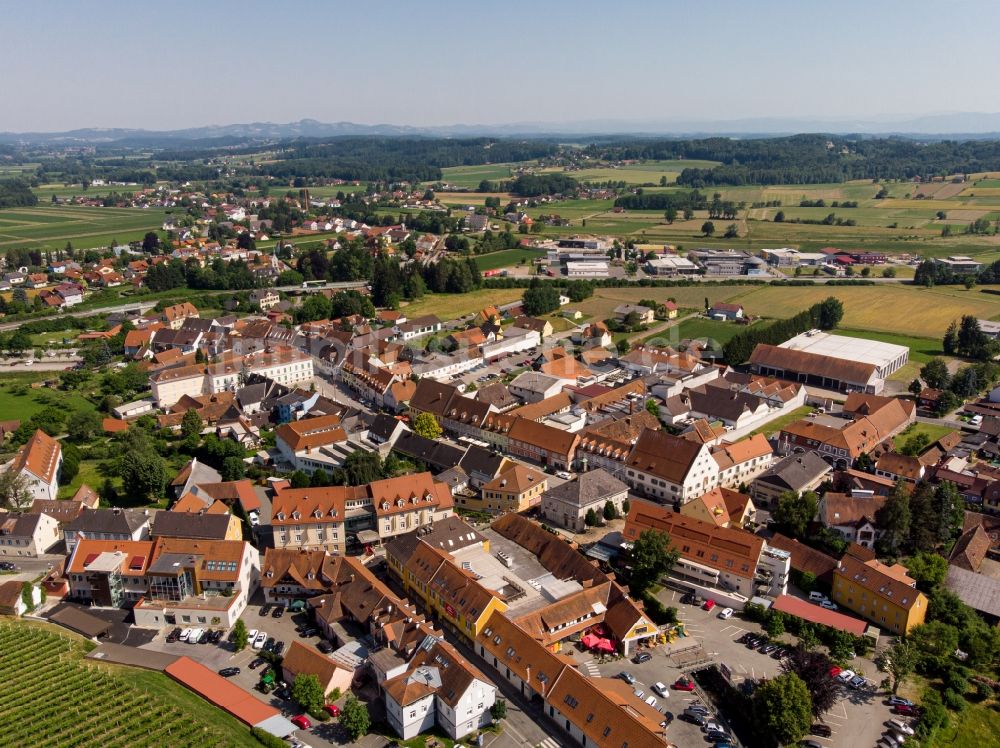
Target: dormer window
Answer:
[[399, 502], [385, 504], [317, 514], [281, 515], [333, 512], [296, 514], [428, 497]]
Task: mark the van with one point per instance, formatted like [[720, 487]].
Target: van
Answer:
[[817, 597], [976, 420], [195, 636]]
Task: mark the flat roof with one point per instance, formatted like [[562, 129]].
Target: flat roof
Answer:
[[847, 348], [813, 613]]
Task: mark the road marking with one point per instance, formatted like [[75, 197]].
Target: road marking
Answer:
[[742, 668], [548, 743], [591, 669]]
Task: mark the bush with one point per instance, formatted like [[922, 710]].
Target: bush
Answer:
[[658, 612], [953, 700], [265, 738]]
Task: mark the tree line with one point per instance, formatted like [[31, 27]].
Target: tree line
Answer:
[[825, 315]]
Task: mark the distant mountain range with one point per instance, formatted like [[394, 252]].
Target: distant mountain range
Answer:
[[955, 125]]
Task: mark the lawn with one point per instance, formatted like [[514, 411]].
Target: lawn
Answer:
[[699, 327], [773, 427], [452, 306], [971, 729], [471, 176], [932, 430], [600, 305], [18, 400], [644, 172], [50, 697]]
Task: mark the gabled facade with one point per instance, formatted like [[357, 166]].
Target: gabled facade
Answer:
[[39, 462]]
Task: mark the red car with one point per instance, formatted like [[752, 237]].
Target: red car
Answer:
[[302, 722], [835, 671], [332, 709], [709, 604], [906, 711], [683, 684]]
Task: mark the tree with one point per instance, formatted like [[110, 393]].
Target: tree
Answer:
[[775, 624], [361, 467], [355, 719], [929, 569], [15, 493], [651, 557], [782, 709], [898, 661], [894, 519], [426, 425], [540, 300], [915, 387], [670, 214], [191, 426], [623, 346], [950, 341], [934, 642], [949, 510], [609, 510], [319, 478], [653, 407], [972, 341], [590, 519], [865, 463], [813, 668], [732, 232], [233, 468], [626, 507], [935, 374], [151, 242], [299, 479], [240, 635], [308, 692], [829, 313], [779, 217], [143, 473], [71, 462], [499, 710], [83, 425], [794, 513], [708, 228]]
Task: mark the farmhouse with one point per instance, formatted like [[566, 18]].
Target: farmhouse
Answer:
[[38, 462]]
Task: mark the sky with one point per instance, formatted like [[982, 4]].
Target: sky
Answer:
[[186, 64]]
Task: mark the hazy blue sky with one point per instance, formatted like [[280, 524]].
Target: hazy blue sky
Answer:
[[182, 63]]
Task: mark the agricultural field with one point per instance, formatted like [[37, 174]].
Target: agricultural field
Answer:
[[506, 258], [701, 328], [644, 172], [471, 176], [600, 305], [53, 697], [452, 306], [51, 226]]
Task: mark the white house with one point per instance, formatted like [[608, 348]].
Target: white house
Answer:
[[440, 687], [670, 468], [27, 535], [39, 461]]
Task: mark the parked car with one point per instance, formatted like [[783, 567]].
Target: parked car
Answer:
[[627, 677], [651, 700], [823, 731], [307, 632], [259, 640], [661, 689], [744, 637], [717, 735], [325, 647], [726, 613], [642, 657], [639, 694], [185, 634], [195, 636], [279, 648], [817, 597], [265, 609], [846, 675], [256, 663], [278, 612], [905, 710], [899, 701], [709, 604], [810, 744], [683, 684], [828, 604], [695, 718], [900, 726], [768, 648], [332, 709], [229, 672], [174, 635], [835, 671], [302, 722], [779, 653], [697, 706], [7, 566], [857, 682], [251, 635]]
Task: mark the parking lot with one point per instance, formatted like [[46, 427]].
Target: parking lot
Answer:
[[856, 719]]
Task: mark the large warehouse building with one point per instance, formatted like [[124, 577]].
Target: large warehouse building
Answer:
[[834, 362]]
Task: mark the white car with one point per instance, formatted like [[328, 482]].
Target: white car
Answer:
[[817, 597], [564, 475], [651, 700], [900, 726], [195, 636], [186, 634], [259, 640], [726, 613], [251, 635], [828, 605], [844, 676], [254, 519], [660, 689]]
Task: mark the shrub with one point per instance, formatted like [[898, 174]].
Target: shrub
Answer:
[[953, 700], [265, 738]]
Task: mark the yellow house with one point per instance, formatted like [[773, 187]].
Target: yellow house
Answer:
[[448, 593], [884, 595], [516, 489]]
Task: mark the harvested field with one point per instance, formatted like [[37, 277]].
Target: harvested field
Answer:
[[949, 190]]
